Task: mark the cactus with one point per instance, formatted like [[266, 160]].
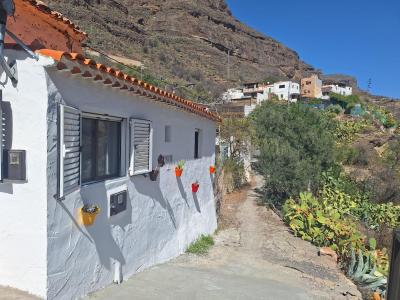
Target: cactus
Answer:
[[362, 270]]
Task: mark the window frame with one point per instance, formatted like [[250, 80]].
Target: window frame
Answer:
[[197, 154], [95, 179]]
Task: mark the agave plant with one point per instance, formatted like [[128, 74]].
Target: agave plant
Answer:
[[362, 270]]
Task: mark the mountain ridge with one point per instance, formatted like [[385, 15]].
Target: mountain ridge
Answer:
[[185, 42]]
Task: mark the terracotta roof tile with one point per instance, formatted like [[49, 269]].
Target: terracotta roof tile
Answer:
[[54, 14], [79, 62]]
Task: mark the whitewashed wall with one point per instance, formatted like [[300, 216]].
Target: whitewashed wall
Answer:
[[23, 213], [162, 218]]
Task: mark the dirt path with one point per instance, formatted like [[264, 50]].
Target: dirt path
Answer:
[[255, 257]]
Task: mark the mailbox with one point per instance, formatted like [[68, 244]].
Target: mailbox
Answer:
[[15, 165], [118, 202], [394, 276]]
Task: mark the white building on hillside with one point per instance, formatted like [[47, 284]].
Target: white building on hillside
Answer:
[[337, 88], [231, 94], [89, 192], [287, 90], [284, 90]]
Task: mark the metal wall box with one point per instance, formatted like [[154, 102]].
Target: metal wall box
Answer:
[[118, 202], [15, 165]]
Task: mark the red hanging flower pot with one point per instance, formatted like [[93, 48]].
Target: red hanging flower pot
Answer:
[[195, 187], [212, 170]]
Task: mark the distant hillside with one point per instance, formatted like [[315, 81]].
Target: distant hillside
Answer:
[[184, 41]]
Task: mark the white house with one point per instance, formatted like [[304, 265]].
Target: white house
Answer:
[[284, 90], [287, 90], [231, 94], [337, 88], [79, 133]]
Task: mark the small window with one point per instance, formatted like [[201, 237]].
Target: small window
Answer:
[[282, 86], [196, 143], [167, 134], [101, 149]]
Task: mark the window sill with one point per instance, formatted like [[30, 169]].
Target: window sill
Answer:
[[105, 180]]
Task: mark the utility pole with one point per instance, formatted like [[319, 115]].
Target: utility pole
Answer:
[[229, 62]]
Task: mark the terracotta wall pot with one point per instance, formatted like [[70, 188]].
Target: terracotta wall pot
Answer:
[[195, 187], [88, 218], [178, 172], [212, 170]]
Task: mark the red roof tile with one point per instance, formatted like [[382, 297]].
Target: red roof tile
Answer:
[[89, 68], [54, 14]]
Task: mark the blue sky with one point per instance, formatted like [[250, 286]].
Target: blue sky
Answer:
[[356, 37]]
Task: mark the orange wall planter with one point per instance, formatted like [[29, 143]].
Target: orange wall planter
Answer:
[[178, 172], [212, 170], [88, 218]]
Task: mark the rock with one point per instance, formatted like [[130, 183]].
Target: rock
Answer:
[[326, 251]]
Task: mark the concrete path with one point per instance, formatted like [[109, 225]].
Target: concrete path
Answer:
[[255, 257]]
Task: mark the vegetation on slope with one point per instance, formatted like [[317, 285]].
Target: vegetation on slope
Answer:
[[305, 157]]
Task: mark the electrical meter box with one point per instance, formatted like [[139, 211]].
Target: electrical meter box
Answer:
[[15, 165], [118, 202]]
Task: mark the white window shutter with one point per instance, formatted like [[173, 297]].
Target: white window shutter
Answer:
[[2, 135], [69, 133], [141, 146]]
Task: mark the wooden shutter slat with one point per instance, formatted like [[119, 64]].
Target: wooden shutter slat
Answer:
[[70, 149], [141, 146]]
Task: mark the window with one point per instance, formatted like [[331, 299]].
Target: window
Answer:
[[308, 82], [167, 134], [282, 86], [141, 147], [196, 143], [101, 149]]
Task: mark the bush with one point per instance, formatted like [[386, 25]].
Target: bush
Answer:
[[335, 109], [234, 173], [322, 224], [346, 102], [201, 245], [296, 145]]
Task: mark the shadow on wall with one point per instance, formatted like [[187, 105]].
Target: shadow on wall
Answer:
[[100, 232], [7, 119], [196, 201], [154, 192], [182, 190]]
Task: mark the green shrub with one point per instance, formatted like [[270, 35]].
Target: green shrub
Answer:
[[296, 145], [335, 109], [234, 172], [347, 131], [201, 245], [346, 102], [322, 224]]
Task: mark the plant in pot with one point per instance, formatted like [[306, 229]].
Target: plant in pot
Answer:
[[179, 168], [212, 169], [195, 187], [88, 214]]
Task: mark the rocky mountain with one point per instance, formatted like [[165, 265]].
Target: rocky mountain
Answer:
[[184, 41]]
